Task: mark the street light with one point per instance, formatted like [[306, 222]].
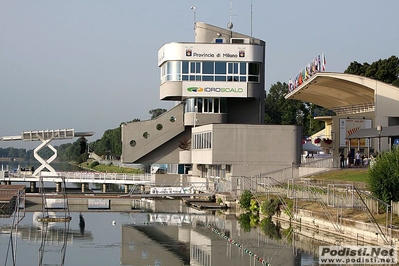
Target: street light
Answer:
[[195, 115], [379, 129]]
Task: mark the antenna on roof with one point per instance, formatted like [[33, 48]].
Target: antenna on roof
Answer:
[[251, 19], [230, 24]]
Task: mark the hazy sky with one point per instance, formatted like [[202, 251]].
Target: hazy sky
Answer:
[[90, 65]]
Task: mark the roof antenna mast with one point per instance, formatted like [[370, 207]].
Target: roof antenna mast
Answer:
[[230, 24], [251, 19]]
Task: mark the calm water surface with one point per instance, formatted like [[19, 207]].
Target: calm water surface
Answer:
[[142, 239], [160, 232]]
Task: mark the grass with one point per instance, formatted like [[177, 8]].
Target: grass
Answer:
[[110, 168], [348, 175]]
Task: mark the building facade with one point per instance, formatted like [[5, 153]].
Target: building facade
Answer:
[[216, 128]]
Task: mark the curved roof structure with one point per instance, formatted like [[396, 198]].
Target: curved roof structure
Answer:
[[336, 91]]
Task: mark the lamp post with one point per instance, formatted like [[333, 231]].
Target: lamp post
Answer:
[[195, 19], [379, 129], [195, 115]]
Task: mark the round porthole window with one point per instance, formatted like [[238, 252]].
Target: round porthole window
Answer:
[[172, 119], [159, 126], [146, 135], [132, 143]]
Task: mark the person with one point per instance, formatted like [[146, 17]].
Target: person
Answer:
[[349, 159], [357, 159], [342, 160]]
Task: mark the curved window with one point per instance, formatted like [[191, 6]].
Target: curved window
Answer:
[[132, 143], [159, 127], [210, 71], [172, 119], [146, 135]]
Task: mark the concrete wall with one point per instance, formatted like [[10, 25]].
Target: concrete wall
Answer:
[[157, 138], [251, 149]]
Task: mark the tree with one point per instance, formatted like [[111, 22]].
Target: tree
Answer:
[[156, 112], [384, 176], [83, 145], [385, 70], [245, 200], [280, 111]]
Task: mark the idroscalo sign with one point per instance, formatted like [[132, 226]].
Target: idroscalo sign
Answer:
[[372, 255]]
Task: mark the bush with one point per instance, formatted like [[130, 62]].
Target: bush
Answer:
[[245, 200], [269, 208], [384, 176], [94, 164]]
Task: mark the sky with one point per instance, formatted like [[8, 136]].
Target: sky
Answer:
[[91, 65]]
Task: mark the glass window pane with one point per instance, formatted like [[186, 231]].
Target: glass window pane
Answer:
[[235, 68], [210, 103], [220, 78], [185, 67], [253, 78], [207, 78], [230, 68], [208, 68], [253, 69], [223, 105], [220, 68], [243, 68], [174, 67], [192, 77], [198, 78], [199, 105], [192, 67], [243, 79], [216, 105], [185, 77], [198, 67], [206, 106]]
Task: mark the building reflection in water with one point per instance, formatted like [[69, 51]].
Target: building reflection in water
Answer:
[[190, 237]]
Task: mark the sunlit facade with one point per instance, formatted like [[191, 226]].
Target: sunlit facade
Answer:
[[215, 131]]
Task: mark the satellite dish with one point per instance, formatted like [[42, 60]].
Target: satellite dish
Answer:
[[230, 25]]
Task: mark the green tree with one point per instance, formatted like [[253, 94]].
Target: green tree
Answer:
[[385, 70], [384, 176], [270, 207], [280, 111], [245, 200], [156, 112]]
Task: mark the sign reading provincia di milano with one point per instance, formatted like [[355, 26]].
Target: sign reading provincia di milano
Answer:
[[210, 52]]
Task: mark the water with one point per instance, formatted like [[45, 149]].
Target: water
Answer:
[[175, 236], [167, 233]]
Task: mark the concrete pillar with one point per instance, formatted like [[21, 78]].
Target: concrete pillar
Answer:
[[126, 188], [104, 188], [32, 187], [84, 187], [58, 187]]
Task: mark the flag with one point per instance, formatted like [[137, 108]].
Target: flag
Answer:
[[315, 65], [324, 63], [300, 80], [319, 62], [290, 87]]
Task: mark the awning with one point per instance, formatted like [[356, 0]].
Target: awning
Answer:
[[307, 146], [392, 131]]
